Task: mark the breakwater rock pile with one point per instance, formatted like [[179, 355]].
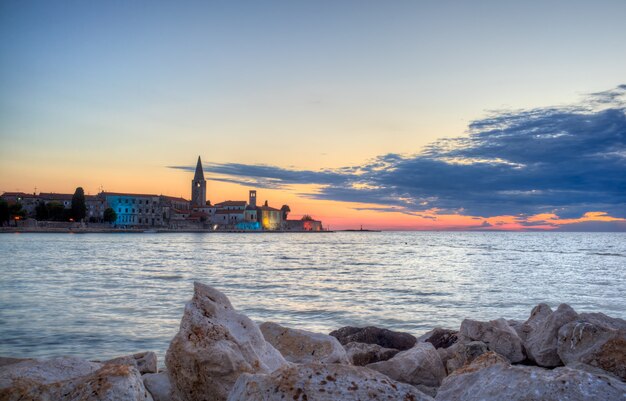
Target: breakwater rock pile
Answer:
[[220, 354]]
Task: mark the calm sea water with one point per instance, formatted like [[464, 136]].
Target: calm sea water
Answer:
[[104, 295]]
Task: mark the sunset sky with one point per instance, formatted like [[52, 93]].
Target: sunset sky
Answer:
[[484, 115]]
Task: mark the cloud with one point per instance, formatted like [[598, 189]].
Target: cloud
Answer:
[[565, 160]]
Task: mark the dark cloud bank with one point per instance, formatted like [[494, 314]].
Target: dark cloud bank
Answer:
[[565, 160]]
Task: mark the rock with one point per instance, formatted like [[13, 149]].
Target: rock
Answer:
[[516, 325], [537, 315], [361, 354], [419, 365], [145, 362], [498, 336], [463, 354], [541, 332], [214, 345], [300, 346], [440, 338], [597, 340], [159, 386], [374, 335], [485, 360], [4, 361], [318, 382], [69, 378], [490, 379]]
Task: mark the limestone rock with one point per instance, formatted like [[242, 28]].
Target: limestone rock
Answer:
[[419, 365], [498, 380], [214, 345], [68, 378], [440, 337], [374, 335], [597, 340], [498, 336], [462, 354], [541, 332], [537, 315], [159, 386], [318, 382], [300, 346], [361, 354], [4, 361], [145, 362]]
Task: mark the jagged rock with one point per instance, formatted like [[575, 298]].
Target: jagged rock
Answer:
[[517, 326], [541, 332], [440, 337], [419, 365], [597, 340], [318, 382], [462, 354], [145, 362], [498, 336], [300, 346], [361, 354], [69, 378], [537, 316], [491, 378], [374, 335], [159, 386], [214, 345]]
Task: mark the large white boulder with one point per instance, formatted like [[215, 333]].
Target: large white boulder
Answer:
[[419, 365], [541, 332], [322, 382], [490, 379], [497, 335], [69, 378], [214, 345], [301, 346]]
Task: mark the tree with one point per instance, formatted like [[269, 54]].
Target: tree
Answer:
[[307, 217], [16, 212], [79, 208], [4, 212], [41, 211], [109, 215]]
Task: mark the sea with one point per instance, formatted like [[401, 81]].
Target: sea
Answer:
[[99, 296]]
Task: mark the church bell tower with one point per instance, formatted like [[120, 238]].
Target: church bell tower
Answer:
[[198, 187]]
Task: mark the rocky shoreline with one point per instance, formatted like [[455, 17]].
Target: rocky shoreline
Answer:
[[220, 354]]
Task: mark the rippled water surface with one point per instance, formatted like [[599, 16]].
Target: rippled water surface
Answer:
[[103, 295]]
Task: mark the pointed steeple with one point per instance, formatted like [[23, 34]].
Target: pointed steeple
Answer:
[[199, 172]]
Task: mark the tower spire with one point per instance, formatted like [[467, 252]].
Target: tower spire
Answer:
[[198, 187], [199, 172]]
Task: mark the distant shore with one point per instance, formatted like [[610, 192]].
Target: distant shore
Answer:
[[89, 230]]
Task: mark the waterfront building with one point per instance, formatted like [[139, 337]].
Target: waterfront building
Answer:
[[28, 201], [135, 209], [268, 217], [304, 224]]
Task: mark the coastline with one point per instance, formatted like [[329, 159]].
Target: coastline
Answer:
[[26, 230]]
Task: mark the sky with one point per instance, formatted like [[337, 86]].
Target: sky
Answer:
[[412, 115]]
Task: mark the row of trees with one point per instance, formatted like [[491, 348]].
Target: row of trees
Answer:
[[53, 211]]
